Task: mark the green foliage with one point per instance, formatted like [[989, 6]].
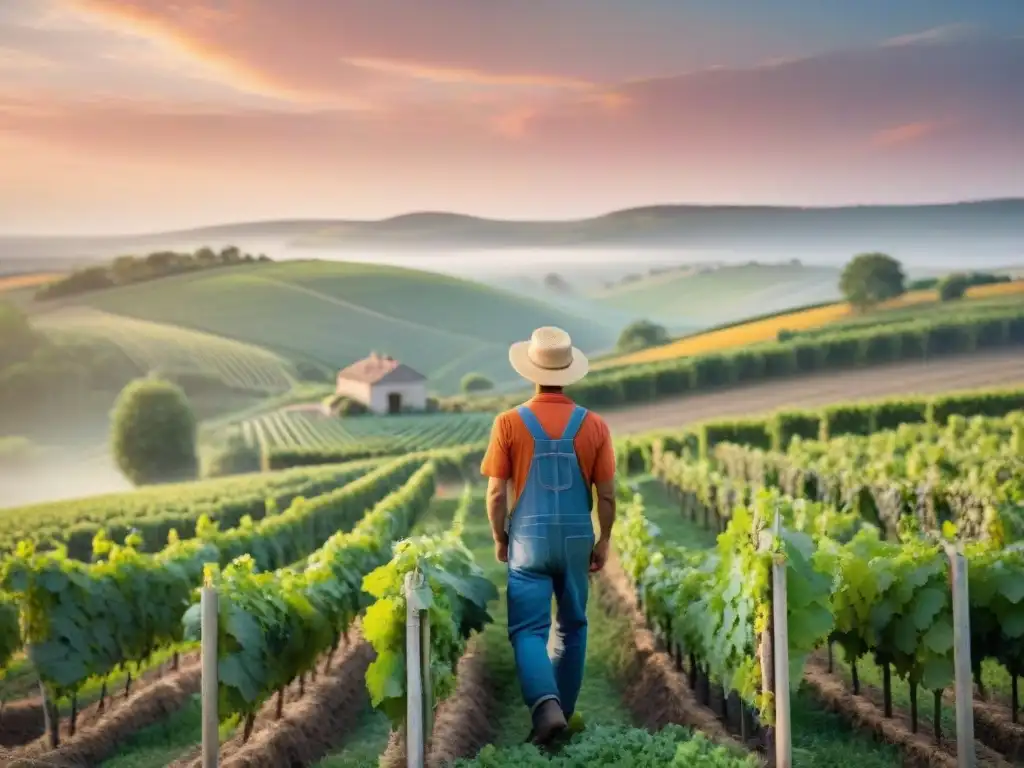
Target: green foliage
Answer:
[[828, 349], [641, 334], [85, 619], [475, 382], [872, 278], [885, 582], [10, 630], [232, 456], [953, 287], [778, 430], [153, 512], [126, 270], [455, 593], [967, 473], [716, 604], [292, 439], [343, 405], [272, 627], [893, 599], [18, 341], [671, 747], [154, 433]]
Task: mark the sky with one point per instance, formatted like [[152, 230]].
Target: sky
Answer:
[[121, 116]]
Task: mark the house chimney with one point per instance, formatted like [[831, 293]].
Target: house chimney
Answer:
[[374, 355]]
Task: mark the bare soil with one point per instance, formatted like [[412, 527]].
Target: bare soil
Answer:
[[866, 712], [656, 693], [994, 369], [463, 723], [311, 725], [22, 721], [94, 743]]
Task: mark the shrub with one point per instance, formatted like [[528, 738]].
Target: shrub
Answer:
[[234, 456], [154, 433], [476, 382], [953, 287], [641, 334]]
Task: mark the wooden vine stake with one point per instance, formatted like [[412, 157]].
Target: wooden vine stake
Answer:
[[419, 704], [963, 681], [780, 627], [208, 652]]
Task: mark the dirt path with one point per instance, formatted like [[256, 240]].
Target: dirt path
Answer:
[[1004, 368]]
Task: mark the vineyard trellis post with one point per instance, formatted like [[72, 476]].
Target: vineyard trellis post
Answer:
[[208, 652], [963, 677], [780, 626], [419, 707]]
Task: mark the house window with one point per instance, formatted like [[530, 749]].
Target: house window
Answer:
[[394, 402]]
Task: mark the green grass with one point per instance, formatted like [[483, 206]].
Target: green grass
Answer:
[[820, 739], [175, 351], [724, 294], [335, 313]]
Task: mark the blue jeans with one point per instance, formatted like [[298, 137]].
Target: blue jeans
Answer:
[[549, 558]]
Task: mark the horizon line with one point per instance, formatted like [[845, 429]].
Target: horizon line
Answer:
[[489, 219]]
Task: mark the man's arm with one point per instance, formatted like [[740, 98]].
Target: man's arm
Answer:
[[497, 467], [497, 508], [606, 508]]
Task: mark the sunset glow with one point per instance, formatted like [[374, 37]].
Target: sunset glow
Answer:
[[135, 115]]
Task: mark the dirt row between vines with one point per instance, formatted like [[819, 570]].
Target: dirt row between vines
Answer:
[[993, 369], [22, 721], [94, 743], [656, 693]]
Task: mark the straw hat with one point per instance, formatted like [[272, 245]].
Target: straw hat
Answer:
[[549, 358]]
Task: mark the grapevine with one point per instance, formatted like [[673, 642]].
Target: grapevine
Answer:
[[457, 594], [272, 627]]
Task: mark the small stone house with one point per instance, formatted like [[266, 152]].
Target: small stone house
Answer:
[[383, 385]]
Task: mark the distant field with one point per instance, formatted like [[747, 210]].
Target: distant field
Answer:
[[305, 429], [722, 294], [335, 313], [803, 320], [173, 350], [16, 282]]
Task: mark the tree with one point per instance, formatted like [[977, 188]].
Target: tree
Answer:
[[154, 433], [872, 278], [18, 341], [557, 283], [953, 287], [641, 334], [476, 382]]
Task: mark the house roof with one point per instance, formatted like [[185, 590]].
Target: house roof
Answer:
[[376, 368]]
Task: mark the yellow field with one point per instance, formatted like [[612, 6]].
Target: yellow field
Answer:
[[14, 282], [768, 330]]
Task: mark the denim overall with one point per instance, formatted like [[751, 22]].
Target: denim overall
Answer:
[[551, 538]]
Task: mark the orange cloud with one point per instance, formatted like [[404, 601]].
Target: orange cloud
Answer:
[[515, 123], [903, 134], [439, 74], [197, 32]]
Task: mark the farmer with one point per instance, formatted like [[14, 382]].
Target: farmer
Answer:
[[543, 462]]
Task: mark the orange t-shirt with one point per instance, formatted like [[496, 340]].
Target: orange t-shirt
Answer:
[[510, 451]]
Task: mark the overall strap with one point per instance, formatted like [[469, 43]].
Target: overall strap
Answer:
[[532, 423], [575, 422]]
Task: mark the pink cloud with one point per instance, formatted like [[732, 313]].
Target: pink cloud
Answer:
[[907, 133]]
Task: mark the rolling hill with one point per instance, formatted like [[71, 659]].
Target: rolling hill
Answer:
[[991, 229], [333, 313], [174, 350], [705, 297]]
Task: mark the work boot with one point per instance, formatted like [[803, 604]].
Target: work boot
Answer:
[[548, 723]]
